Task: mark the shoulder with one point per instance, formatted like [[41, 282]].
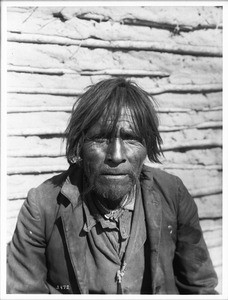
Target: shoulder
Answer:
[[169, 186], [172, 191], [45, 196], [162, 178], [49, 188], [54, 190]]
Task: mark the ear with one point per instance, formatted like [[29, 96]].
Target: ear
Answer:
[[75, 160], [79, 148]]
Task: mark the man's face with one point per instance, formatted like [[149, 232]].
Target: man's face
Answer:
[[113, 162]]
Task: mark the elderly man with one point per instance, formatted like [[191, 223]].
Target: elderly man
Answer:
[[110, 224]]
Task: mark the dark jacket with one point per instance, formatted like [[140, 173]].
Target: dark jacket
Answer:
[[47, 251]]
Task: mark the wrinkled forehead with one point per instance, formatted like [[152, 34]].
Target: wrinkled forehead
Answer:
[[112, 123], [125, 116]]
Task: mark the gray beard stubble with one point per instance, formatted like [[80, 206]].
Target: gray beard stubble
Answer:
[[115, 193]]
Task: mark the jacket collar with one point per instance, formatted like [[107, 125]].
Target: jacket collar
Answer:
[[73, 184]]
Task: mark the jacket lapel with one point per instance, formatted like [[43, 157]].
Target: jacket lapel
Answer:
[[153, 216], [73, 221]]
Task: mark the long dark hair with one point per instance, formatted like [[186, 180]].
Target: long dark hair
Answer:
[[107, 98]]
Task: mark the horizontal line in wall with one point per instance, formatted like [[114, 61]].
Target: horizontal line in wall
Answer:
[[150, 23], [189, 167], [46, 91], [130, 45], [210, 124], [25, 109], [59, 168], [194, 145], [194, 88], [17, 196], [210, 190], [195, 193], [29, 153], [113, 72], [60, 131], [209, 225], [28, 109], [205, 125], [170, 26], [36, 169]]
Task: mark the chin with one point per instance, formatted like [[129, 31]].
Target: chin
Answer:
[[112, 192]]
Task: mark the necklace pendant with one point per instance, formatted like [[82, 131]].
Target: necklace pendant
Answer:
[[110, 215]]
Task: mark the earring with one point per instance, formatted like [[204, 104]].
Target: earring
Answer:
[[76, 160]]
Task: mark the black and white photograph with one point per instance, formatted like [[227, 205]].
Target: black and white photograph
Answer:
[[112, 146]]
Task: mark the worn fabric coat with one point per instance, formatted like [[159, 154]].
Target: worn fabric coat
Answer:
[[48, 247]]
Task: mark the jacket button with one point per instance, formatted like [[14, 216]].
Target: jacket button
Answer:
[[170, 229]]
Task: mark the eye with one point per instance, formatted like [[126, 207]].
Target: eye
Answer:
[[131, 138], [100, 140], [97, 139]]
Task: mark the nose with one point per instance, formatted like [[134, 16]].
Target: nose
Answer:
[[116, 153]]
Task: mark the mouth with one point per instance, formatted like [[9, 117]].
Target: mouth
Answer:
[[114, 176]]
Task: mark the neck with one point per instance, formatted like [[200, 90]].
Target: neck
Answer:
[[118, 203], [110, 204]]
